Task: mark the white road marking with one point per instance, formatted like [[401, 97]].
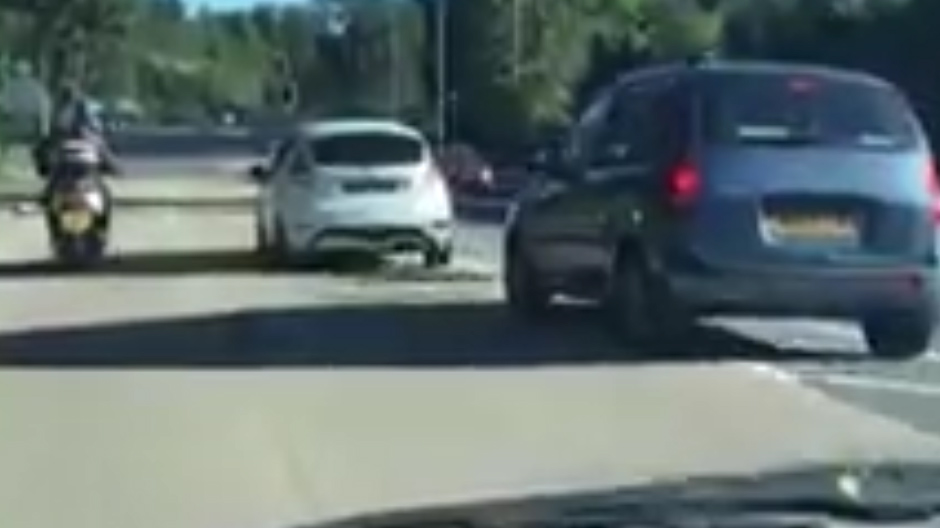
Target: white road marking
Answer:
[[876, 384], [474, 264], [795, 331], [774, 373], [25, 208], [807, 378]]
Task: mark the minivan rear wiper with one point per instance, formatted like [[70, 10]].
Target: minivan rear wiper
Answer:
[[790, 139]]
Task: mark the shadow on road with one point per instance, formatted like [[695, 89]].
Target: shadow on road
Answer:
[[402, 336], [157, 263], [214, 263]]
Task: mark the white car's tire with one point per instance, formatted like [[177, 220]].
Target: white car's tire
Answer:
[[278, 251], [262, 243], [438, 257]]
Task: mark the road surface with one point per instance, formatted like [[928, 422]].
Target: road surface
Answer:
[[183, 385], [825, 356]]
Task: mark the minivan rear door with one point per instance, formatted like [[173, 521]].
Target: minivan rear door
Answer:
[[801, 167]]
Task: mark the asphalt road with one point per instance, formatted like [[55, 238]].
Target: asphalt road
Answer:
[[183, 385], [825, 356]]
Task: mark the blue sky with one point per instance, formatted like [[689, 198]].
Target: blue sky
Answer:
[[232, 4]]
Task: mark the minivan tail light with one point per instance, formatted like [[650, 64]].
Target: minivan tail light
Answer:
[[684, 185], [933, 187]]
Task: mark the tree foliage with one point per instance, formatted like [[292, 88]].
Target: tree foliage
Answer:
[[513, 67]]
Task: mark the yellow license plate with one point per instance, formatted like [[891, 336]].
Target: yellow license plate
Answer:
[[823, 227], [75, 222]]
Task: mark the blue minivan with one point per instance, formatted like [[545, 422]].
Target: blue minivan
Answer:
[[724, 187]]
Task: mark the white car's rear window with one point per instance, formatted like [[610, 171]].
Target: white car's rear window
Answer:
[[372, 148]]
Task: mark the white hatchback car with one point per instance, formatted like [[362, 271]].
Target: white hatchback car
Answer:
[[354, 185]]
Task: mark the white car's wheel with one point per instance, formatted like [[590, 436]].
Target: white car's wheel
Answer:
[[438, 257], [278, 251], [262, 244]]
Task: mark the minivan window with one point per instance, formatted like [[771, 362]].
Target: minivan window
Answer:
[[652, 119], [297, 162], [795, 109], [367, 149]]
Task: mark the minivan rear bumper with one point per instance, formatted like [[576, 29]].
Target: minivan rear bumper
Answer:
[[835, 293]]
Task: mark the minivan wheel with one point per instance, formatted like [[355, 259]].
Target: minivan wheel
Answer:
[[526, 295], [639, 312], [900, 336]]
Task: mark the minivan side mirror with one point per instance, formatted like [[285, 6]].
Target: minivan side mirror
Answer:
[[551, 163], [541, 161], [549, 159]]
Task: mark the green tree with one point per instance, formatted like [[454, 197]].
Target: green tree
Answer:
[[678, 29], [514, 66], [72, 36]]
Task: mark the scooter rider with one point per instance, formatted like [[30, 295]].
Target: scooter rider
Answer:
[[74, 119]]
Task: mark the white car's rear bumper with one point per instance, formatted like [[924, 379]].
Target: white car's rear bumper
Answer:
[[374, 224], [382, 239]]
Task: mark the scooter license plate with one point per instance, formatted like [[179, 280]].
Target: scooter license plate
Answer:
[[75, 222]]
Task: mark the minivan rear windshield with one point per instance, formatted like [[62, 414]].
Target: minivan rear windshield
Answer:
[[795, 109], [367, 149]]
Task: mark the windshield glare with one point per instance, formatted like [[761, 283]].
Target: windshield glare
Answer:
[[796, 109]]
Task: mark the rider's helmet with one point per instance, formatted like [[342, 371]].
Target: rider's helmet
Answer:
[[69, 90], [75, 115]]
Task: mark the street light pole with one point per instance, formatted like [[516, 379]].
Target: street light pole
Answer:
[[516, 38], [441, 60], [392, 66]]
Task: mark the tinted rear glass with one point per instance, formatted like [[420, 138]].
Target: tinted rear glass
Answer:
[[778, 109], [367, 149]]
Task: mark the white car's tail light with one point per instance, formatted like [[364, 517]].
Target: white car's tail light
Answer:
[[433, 175]]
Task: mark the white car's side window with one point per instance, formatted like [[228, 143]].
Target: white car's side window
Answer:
[[280, 154]]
